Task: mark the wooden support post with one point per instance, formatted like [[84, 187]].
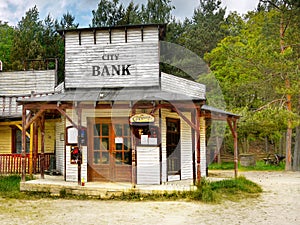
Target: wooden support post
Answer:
[[23, 160], [133, 153], [193, 115], [31, 149], [42, 160], [35, 146], [79, 112], [198, 146], [233, 127]]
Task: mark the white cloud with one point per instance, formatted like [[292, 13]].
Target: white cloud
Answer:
[[241, 6]]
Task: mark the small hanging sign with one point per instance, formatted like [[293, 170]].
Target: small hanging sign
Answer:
[[142, 118]]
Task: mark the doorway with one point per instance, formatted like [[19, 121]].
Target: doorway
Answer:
[[109, 150], [173, 147]]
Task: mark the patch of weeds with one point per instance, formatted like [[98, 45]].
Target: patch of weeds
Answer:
[[236, 189], [204, 192], [63, 193]]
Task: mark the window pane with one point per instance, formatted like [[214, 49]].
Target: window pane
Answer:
[[105, 130], [126, 143], [96, 157], [126, 130], [118, 130], [97, 130], [105, 144], [105, 158], [127, 158], [119, 146], [119, 158], [96, 143]]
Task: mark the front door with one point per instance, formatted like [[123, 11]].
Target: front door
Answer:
[[173, 147], [109, 150]]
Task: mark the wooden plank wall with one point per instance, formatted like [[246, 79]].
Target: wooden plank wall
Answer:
[[182, 86], [60, 146], [5, 139], [141, 51], [23, 82]]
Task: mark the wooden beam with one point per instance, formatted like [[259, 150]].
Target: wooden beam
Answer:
[[66, 115], [37, 115], [185, 119]]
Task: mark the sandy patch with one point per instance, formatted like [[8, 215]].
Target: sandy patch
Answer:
[[279, 204]]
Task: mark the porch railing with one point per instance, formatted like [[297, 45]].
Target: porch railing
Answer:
[[12, 163]]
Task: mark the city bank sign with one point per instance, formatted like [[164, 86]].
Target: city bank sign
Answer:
[[111, 69]]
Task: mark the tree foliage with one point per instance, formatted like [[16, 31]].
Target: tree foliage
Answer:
[[252, 71], [6, 43], [112, 13]]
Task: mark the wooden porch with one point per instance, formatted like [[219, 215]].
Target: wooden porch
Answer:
[[12, 163]]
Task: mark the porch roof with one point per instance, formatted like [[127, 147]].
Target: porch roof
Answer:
[[215, 112], [124, 94]]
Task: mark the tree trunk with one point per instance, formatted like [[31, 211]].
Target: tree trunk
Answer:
[[296, 160]]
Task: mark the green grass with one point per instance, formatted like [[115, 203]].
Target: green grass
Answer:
[[260, 166], [206, 191]]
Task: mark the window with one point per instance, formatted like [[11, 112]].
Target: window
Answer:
[[16, 144]]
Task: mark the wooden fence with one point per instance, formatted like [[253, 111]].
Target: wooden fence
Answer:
[[12, 163]]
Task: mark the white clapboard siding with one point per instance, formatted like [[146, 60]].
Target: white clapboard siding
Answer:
[[60, 146], [9, 106], [72, 169], [183, 86], [202, 147], [142, 56], [148, 166], [24, 82], [186, 148]]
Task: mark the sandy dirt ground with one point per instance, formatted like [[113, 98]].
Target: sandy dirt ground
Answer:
[[278, 204]]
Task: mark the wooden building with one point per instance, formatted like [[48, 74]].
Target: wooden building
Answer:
[[122, 119], [22, 84]]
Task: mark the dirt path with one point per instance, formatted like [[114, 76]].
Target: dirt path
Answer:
[[279, 204]]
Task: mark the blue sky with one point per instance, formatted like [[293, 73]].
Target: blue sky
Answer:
[[12, 11]]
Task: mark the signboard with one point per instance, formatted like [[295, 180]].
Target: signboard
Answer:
[[112, 59], [142, 118]]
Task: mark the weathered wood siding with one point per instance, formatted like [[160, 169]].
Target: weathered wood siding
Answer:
[[182, 86], [60, 146], [23, 82], [49, 145], [83, 53], [148, 166], [5, 139], [72, 169]]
